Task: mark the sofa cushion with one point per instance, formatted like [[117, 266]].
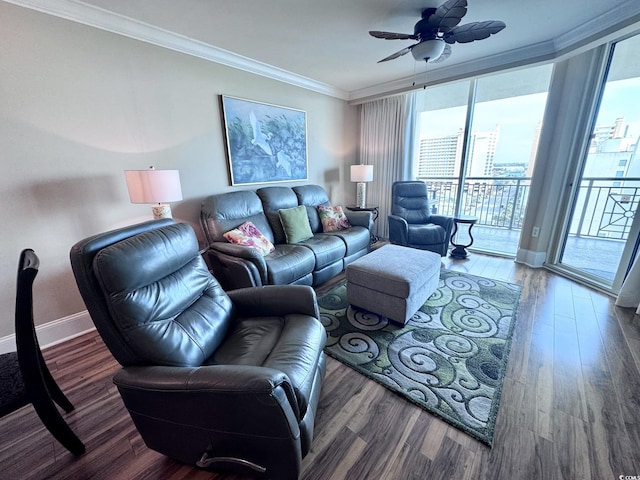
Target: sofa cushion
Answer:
[[311, 196], [249, 342], [289, 263], [332, 218], [356, 239], [291, 344], [295, 224], [327, 249], [225, 211], [273, 200], [248, 235], [426, 234]]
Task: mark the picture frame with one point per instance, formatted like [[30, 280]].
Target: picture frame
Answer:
[[265, 143]]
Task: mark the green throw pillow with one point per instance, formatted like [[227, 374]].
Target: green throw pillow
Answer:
[[295, 224]]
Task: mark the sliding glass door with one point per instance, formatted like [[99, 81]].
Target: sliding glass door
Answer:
[[483, 135], [601, 231]]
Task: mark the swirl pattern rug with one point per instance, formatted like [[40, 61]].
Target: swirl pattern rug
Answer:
[[451, 356]]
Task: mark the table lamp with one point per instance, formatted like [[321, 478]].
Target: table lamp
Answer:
[[158, 187], [361, 174]]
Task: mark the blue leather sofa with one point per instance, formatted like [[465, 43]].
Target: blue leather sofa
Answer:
[[310, 262]]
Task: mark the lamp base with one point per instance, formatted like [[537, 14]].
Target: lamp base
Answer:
[[162, 210], [361, 194]]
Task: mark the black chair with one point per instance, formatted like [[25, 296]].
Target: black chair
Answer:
[[413, 224], [24, 375]]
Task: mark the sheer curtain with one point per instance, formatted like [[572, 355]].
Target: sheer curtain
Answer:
[[387, 142], [629, 296]]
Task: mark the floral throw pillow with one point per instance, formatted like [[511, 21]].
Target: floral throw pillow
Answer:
[[333, 218], [248, 235]]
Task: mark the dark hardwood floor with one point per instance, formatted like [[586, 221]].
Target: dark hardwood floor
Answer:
[[570, 407]]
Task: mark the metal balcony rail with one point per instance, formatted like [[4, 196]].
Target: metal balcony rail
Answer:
[[605, 206]]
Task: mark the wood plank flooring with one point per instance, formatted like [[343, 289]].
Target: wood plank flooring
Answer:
[[570, 407]]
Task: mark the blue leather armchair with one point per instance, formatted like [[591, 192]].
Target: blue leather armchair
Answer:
[[411, 222], [220, 380]]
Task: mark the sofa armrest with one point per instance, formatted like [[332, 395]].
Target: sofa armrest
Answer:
[[360, 218], [275, 300], [237, 265], [241, 251], [398, 230]]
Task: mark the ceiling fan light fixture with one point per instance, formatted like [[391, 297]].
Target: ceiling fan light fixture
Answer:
[[428, 50], [437, 27]]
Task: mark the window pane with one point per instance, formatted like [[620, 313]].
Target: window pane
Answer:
[[605, 207], [507, 120], [504, 138], [503, 143], [617, 128], [441, 125], [443, 111]]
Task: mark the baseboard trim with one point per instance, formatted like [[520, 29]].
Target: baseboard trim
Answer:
[[54, 332], [531, 258]]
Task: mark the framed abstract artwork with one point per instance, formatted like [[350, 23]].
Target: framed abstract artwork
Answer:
[[265, 143]]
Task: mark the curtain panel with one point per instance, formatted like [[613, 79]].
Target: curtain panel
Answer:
[[387, 142], [629, 296]]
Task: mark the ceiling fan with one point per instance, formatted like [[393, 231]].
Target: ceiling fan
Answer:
[[437, 30]]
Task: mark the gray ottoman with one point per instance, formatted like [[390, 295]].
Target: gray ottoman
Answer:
[[393, 281]]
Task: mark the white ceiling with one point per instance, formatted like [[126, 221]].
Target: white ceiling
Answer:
[[327, 41]]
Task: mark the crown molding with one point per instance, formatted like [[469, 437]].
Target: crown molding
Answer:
[[621, 19], [529, 55], [96, 17]]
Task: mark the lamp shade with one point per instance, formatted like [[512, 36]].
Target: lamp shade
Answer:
[[153, 186], [361, 173]]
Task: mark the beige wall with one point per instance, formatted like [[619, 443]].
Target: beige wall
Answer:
[[79, 106]]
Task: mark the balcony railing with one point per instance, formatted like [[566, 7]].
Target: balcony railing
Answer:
[[496, 201], [604, 208]]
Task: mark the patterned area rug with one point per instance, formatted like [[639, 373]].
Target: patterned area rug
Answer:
[[450, 358]]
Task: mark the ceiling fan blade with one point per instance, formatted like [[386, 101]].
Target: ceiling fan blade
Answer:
[[448, 15], [446, 53], [399, 53], [392, 35], [471, 32]]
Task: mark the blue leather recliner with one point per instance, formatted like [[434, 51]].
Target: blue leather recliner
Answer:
[[411, 223], [220, 380]]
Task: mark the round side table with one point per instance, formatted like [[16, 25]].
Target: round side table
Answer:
[[460, 249]]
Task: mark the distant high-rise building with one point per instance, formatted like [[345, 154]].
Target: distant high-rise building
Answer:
[[441, 156], [534, 149], [603, 133], [612, 152], [482, 153]]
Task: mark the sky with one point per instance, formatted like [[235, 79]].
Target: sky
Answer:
[[622, 99], [518, 117]]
